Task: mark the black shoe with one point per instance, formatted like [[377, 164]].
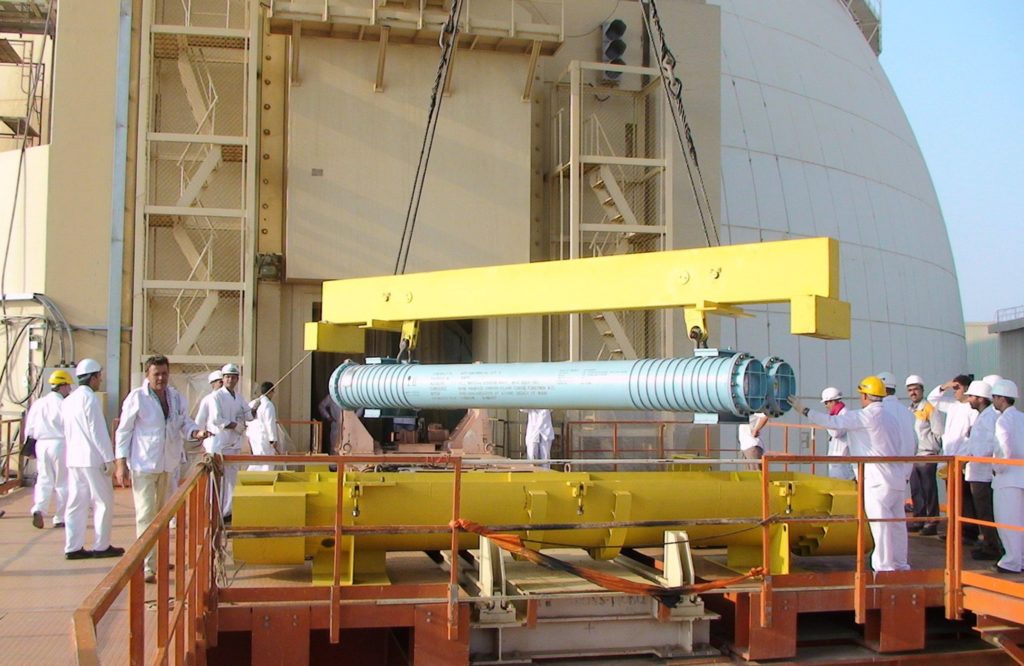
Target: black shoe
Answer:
[[80, 554], [150, 577], [984, 555], [914, 527], [58, 525], [929, 530], [109, 551], [227, 519], [37, 520], [997, 568]]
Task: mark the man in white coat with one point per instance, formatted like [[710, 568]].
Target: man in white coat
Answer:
[[908, 437], [873, 431], [229, 413], [262, 431], [44, 425], [1008, 481], [838, 442], [981, 443], [539, 433], [960, 417], [150, 441], [90, 458]]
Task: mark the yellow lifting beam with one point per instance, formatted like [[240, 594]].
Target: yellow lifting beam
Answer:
[[717, 280]]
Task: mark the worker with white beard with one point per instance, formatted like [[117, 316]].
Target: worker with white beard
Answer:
[[838, 442], [227, 423], [873, 431], [1008, 480], [44, 425], [90, 460]]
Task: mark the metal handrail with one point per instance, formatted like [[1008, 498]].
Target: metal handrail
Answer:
[[12, 445], [194, 588]]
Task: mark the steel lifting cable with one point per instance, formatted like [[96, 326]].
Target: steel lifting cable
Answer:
[[447, 40], [674, 95]]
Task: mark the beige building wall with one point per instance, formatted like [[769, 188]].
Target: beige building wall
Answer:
[[81, 168]]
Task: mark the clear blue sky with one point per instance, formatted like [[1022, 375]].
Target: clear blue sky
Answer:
[[958, 69]]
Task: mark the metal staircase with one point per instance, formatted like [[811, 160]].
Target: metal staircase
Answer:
[[195, 233]]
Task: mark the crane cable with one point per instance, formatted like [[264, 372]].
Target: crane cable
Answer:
[[673, 88], [447, 40]]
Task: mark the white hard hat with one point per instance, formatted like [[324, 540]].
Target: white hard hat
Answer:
[[230, 369], [215, 376], [87, 366], [979, 389], [915, 379], [831, 393], [887, 378], [991, 379], [1006, 388]]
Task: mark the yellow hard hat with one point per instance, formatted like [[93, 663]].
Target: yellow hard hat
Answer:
[[872, 385], [60, 377]]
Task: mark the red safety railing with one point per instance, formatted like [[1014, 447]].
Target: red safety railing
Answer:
[[182, 630]]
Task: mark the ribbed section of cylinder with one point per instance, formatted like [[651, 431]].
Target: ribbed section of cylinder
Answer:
[[726, 384]]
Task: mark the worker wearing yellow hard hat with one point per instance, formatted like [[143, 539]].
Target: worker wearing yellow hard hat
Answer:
[[873, 431], [44, 434]]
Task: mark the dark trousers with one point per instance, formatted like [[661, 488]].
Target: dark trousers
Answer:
[[969, 532], [981, 492], [924, 491]]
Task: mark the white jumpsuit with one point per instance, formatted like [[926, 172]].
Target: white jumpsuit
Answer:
[[539, 433], [227, 407], [874, 431], [1008, 487], [90, 457], [263, 431], [45, 425]]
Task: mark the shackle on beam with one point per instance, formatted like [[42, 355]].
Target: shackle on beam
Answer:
[[712, 382]]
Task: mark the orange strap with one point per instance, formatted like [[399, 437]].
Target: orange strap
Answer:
[[670, 596]]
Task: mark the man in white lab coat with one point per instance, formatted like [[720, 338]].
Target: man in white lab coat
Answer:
[[90, 458], [960, 417], [194, 449], [873, 431], [838, 442], [44, 425], [262, 431], [981, 443], [539, 433], [1008, 481], [229, 413], [150, 441]]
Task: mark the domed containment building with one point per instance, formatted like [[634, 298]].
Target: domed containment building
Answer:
[[198, 191]]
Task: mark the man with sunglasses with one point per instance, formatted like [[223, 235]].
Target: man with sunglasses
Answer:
[[949, 399]]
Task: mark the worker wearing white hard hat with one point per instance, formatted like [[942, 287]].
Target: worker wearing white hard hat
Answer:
[[949, 399], [981, 443], [924, 484], [873, 431], [908, 439], [90, 460], [43, 423], [228, 414], [838, 442], [1008, 480], [194, 450]]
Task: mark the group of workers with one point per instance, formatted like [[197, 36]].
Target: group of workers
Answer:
[[961, 417], [155, 440]]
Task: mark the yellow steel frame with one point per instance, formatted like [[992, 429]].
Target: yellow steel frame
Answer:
[[804, 273]]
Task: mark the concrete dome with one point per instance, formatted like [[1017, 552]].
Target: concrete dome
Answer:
[[815, 143]]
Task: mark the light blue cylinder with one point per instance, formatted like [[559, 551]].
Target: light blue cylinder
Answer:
[[728, 383]]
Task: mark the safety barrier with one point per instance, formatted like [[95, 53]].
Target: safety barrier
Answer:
[[183, 630], [316, 434], [190, 624]]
